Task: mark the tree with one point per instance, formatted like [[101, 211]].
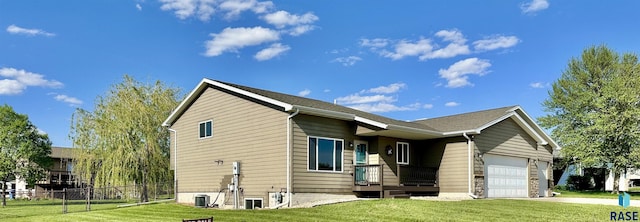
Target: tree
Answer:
[[594, 110], [24, 152], [122, 140]]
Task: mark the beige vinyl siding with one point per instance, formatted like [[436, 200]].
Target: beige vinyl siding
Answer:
[[508, 139], [454, 166], [545, 153], [243, 131], [390, 169], [305, 181]]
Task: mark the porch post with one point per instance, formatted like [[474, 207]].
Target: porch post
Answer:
[[381, 176]]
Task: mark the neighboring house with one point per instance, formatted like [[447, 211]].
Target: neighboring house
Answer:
[[59, 175], [294, 150]]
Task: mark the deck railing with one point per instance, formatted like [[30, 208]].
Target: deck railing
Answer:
[[367, 175], [418, 176]]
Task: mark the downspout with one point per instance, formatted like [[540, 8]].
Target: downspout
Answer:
[[175, 163], [469, 170], [289, 196]]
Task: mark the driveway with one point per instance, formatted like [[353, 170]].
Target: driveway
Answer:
[[633, 203]]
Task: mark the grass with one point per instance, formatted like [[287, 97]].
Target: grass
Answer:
[[596, 194], [373, 210]]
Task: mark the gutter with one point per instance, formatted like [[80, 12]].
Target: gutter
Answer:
[[469, 170], [175, 163], [289, 132]]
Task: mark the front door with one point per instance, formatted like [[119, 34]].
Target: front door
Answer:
[[361, 154]]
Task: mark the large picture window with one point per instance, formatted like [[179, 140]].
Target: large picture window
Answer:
[[325, 154], [402, 153], [206, 129]]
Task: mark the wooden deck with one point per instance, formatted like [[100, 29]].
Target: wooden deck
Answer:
[[413, 181]]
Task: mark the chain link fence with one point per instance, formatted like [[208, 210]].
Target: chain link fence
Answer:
[[88, 198]]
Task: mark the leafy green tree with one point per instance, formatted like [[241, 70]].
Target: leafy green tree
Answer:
[[24, 152], [594, 110], [122, 141]]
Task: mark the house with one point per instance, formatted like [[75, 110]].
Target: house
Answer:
[[59, 175], [255, 148]]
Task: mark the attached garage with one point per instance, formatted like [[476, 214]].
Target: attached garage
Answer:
[[505, 176]]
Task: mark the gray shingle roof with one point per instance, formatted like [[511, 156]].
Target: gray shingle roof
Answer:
[[61, 152], [301, 101], [465, 121]]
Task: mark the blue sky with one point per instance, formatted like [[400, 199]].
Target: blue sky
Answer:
[[406, 60]]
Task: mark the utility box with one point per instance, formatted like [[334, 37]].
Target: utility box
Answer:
[[201, 200], [236, 168]]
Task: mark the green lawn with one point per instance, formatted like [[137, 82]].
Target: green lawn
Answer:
[[596, 194], [372, 210]]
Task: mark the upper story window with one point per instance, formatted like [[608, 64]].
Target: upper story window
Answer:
[[206, 129], [402, 153], [325, 154]]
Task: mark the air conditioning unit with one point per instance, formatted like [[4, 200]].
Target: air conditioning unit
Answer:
[[201, 200]]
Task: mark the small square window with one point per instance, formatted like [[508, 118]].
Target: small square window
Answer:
[[253, 203], [206, 129]]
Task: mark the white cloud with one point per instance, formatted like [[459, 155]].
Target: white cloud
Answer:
[[11, 87], [384, 107], [537, 85], [453, 35], [425, 48], [451, 104], [18, 80], [347, 61], [534, 6], [232, 39], [273, 51], [139, 7], [391, 88], [326, 90], [496, 42], [304, 93], [358, 99], [300, 23], [204, 9], [281, 19], [457, 74], [377, 100], [445, 44], [72, 101], [13, 29], [427, 106], [374, 43], [235, 7], [299, 30]]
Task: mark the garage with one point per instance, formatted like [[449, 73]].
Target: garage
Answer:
[[543, 177], [505, 176]]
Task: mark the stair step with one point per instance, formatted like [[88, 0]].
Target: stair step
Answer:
[[394, 192], [401, 196]]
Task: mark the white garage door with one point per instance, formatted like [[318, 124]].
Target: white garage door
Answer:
[[505, 176], [543, 177]]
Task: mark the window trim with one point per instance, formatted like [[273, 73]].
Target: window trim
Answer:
[[398, 159], [253, 199], [334, 155], [205, 129]]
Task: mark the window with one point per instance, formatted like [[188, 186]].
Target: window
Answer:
[[252, 203], [206, 129], [325, 154], [402, 153]]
